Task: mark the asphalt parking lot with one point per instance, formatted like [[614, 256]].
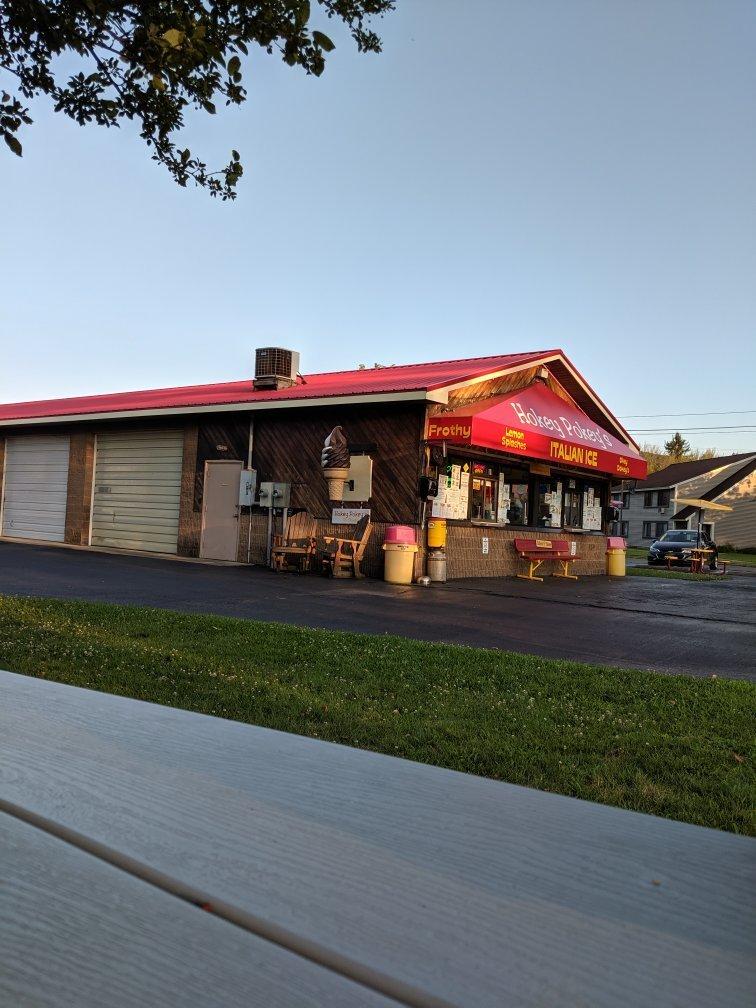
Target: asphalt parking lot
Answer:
[[671, 626]]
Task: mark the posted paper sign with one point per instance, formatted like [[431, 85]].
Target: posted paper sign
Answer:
[[348, 516], [453, 494]]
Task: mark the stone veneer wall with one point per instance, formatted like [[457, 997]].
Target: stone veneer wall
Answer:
[[465, 557], [464, 551]]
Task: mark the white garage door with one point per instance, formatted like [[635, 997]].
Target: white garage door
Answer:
[[35, 487], [137, 489]]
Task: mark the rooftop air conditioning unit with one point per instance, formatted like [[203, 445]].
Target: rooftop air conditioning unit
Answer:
[[275, 368]]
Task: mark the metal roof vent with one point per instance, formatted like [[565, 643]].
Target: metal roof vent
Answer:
[[275, 368]]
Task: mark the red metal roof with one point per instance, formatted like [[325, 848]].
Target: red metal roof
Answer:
[[365, 381]]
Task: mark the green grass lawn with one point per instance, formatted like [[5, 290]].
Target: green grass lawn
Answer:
[[744, 559], [681, 575], [670, 745]]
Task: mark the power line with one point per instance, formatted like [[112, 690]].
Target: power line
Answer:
[[689, 430], [664, 416]]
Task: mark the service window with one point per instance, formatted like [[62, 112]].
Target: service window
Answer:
[[517, 512], [483, 488], [592, 508], [548, 503], [572, 511]]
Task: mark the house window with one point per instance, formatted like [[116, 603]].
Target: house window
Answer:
[[648, 499], [648, 530], [626, 499], [661, 528], [664, 498], [625, 529]]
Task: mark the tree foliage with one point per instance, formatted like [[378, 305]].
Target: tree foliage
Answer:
[[677, 447], [659, 458], [152, 62]]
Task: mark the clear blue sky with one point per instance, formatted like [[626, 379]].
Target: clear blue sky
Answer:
[[506, 176]]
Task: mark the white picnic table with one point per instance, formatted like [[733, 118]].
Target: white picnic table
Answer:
[[156, 857]]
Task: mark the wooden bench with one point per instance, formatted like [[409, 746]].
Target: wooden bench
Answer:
[[535, 551]]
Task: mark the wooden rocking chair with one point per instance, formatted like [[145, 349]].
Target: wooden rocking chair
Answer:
[[341, 558], [294, 550]]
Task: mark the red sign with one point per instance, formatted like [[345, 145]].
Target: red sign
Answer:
[[537, 423]]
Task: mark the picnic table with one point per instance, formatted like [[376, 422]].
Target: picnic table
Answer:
[[152, 856]]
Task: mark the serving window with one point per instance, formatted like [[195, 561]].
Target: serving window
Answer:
[[510, 495]]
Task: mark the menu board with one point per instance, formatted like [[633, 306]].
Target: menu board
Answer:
[[453, 494], [591, 510]]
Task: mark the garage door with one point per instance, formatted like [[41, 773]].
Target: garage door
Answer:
[[137, 489], [35, 487]]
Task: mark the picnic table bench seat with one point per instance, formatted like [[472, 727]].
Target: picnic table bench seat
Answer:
[[536, 550]]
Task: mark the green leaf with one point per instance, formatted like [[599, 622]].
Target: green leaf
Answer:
[[173, 37], [13, 143], [303, 16], [208, 107], [158, 83], [233, 65], [323, 41]]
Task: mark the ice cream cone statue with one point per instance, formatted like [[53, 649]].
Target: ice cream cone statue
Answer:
[[335, 461]]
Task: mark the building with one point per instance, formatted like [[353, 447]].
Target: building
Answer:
[[517, 442], [651, 508]]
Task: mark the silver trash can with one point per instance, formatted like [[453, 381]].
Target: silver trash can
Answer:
[[437, 566]]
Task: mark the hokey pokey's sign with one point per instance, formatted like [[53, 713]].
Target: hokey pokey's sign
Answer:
[[537, 423]]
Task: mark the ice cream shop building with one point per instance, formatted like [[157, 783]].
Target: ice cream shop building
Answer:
[[500, 447]]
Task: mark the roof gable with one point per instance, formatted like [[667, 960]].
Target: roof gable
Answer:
[[680, 472]]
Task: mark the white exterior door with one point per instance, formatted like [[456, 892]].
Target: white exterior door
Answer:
[[137, 490], [35, 488]]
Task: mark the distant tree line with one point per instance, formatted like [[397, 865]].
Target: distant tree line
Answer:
[[677, 449]]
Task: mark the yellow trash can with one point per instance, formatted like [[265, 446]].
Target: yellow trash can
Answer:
[[436, 533], [400, 562], [616, 552]]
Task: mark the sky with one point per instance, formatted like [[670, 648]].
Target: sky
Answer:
[[505, 176]]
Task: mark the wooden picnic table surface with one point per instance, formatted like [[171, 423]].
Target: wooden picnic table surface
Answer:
[[333, 876]]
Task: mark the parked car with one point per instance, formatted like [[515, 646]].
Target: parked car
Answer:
[[679, 543]]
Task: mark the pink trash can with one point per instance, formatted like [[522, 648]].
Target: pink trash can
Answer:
[[400, 534]]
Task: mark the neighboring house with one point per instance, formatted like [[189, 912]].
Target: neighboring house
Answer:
[[651, 508]]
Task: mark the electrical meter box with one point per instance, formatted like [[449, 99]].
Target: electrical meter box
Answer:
[[275, 495], [359, 482], [247, 487]]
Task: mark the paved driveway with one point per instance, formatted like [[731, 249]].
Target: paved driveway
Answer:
[[697, 628]]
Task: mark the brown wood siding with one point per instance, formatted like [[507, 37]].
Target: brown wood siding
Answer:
[[219, 439], [287, 449]]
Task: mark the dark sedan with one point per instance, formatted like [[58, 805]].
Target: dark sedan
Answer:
[[679, 544]]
